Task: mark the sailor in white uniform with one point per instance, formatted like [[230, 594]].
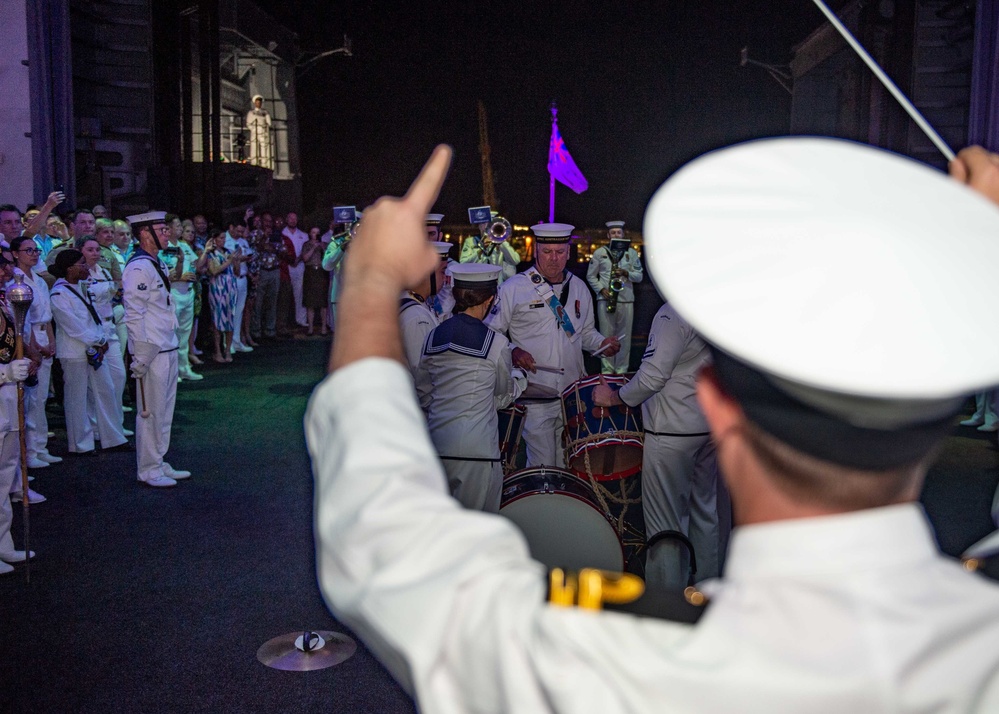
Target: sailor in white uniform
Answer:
[[683, 500], [483, 248], [835, 596], [417, 316], [442, 301], [152, 338], [614, 270], [464, 376], [547, 314]]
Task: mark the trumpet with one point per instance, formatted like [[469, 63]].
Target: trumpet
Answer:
[[498, 230], [344, 238]]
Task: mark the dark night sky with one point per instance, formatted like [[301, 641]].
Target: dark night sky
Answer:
[[641, 88]]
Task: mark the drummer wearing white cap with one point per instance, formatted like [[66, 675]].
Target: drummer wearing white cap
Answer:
[[613, 271], [416, 314], [547, 313], [465, 375], [826, 410]]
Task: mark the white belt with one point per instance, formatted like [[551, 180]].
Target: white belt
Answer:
[[180, 287]]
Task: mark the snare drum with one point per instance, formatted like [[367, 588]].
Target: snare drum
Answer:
[[561, 519], [511, 428], [609, 438]]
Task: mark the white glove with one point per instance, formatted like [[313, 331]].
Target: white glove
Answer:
[[16, 371], [139, 369]]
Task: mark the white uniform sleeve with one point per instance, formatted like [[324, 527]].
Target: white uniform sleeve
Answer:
[[415, 324], [593, 271], [448, 599], [136, 301], [667, 342], [634, 266], [499, 317], [591, 337], [333, 255]]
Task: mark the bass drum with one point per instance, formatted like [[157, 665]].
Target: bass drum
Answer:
[[560, 517]]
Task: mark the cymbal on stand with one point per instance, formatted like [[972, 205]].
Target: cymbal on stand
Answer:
[[289, 653]]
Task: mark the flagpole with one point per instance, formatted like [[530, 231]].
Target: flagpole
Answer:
[[551, 176]]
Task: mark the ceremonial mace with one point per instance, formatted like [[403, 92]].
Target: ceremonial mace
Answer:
[[20, 297]]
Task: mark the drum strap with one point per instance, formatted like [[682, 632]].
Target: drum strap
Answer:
[[554, 302], [670, 433], [471, 458]]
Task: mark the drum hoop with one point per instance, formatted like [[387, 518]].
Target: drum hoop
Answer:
[[595, 504]]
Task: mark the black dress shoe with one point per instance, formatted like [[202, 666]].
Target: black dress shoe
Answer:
[[78, 454], [124, 448]]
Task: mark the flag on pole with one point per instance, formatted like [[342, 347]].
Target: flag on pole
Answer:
[[560, 163]]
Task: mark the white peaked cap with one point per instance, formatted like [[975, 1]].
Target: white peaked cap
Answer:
[[834, 265]]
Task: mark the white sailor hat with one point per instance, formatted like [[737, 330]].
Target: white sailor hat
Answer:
[[614, 224], [258, 96], [442, 248], [474, 275], [552, 232], [434, 219], [830, 277], [146, 219]]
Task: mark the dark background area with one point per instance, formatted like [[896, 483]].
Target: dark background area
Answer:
[[641, 88]]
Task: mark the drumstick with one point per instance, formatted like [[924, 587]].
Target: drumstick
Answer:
[[553, 370], [607, 346], [886, 81]]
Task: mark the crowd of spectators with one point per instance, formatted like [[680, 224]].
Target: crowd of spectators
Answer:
[[254, 280]]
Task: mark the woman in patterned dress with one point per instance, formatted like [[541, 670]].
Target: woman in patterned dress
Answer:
[[222, 293]]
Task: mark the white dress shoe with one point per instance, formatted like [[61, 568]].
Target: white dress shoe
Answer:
[[127, 409], [243, 348], [36, 463], [46, 456], [175, 474], [5, 568], [33, 497], [191, 376], [159, 482], [16, 556], [127, 432]]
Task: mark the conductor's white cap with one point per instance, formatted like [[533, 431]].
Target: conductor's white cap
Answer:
[[834, 266]]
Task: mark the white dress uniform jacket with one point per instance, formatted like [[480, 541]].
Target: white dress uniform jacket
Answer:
[[619, 322], [848, 613], [681, 487], [522, 314], [416, 320], [503, 255], [464, 376], [152, 336], [36, 423]]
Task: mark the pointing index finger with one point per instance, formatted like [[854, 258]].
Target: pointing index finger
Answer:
[[423, 191]]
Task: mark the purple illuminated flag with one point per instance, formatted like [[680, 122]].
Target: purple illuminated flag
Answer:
[[560, 163]]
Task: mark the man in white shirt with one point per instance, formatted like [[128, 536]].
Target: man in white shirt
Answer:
[[296, 268], [835, 597]]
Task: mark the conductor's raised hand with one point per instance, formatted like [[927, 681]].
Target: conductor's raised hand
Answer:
[[391, 244]]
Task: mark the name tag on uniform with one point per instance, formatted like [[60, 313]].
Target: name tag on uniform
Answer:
[[536, 304]]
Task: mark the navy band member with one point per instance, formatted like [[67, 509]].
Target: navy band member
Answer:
[[826, 414], [614, 269], [417, 316], [547, 313], [442, 301], [483, 248], [681, 487], [152, 340], [464, 376]]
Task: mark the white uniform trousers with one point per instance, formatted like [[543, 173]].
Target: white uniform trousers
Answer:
[[543, 434], [152, 434], [237, 330], [183, 303], [683, 491], [475, 484], [297, 274], [616, 324], [114, 362], [80, 379], [10, 474], [36, 423]]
